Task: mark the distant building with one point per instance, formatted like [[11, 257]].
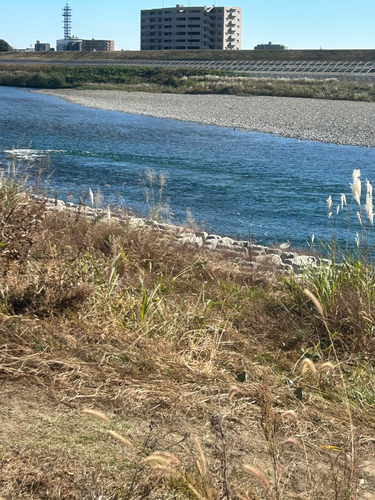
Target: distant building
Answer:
[[189, 28], [270, 46], [98, 45], [28, 49], [73, 43], [42, 47]]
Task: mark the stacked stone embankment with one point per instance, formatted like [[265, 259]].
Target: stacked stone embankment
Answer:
[[242, 252]]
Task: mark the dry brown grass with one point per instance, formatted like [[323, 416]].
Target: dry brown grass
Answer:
[[154, 334]]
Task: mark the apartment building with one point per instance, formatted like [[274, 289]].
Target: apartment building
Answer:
[[98, 45], [191, 28], [42, 47]]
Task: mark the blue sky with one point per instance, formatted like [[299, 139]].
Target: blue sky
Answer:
[[329, 24]]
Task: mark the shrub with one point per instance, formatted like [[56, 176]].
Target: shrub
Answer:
[[4, 46]]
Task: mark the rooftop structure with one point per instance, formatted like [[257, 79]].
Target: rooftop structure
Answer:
[[189, 28]]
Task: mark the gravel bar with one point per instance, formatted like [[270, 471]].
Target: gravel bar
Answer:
[[338, 122]]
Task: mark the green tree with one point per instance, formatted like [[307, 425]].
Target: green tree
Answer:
[[4, 46]]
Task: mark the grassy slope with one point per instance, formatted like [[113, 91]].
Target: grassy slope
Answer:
[[130, 322], [240, 55]]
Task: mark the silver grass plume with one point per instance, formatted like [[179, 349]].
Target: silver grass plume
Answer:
[[343, 200], [329, 206], [356, 186], [357, 242], [369, 205]]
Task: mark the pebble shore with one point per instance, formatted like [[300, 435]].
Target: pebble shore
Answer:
[[339, 122]]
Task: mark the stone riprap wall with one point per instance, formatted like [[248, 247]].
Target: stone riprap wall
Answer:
[[244, 253]]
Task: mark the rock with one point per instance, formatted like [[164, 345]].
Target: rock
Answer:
[[202, 234], [191, 239], [300, 262], [136, 222], [227, 241], [270, 260], [211, 244], [275, 251]]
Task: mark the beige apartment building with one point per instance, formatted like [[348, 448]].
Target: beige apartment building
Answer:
[[98, 45], [189, 28]]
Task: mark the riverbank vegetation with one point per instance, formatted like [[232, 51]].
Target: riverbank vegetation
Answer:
[[184, 81], [135, 367]]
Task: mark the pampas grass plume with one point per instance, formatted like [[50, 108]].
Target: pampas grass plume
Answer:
[[343, 200], [356, 186], [329, 203], [369, 206]]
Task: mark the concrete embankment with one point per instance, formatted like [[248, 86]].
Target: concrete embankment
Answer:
[[339, 122]]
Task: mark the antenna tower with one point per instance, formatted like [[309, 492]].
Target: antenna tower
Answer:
[[67, 15]]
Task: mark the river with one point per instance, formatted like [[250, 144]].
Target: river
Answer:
[[230, 180]]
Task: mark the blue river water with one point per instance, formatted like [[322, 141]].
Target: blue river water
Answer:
[[229, 179]]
